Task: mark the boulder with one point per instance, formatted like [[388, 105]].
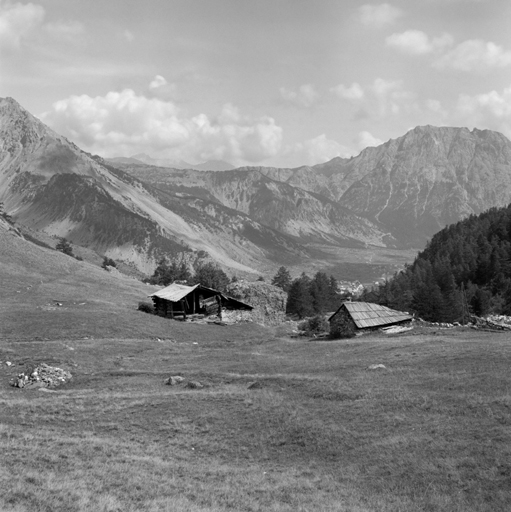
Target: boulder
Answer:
[[174, 380], [268, 301], [41, 376], [376, 367], [194, 384]]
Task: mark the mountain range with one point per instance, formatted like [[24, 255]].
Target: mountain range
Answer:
[[250, 219], [143, 158]]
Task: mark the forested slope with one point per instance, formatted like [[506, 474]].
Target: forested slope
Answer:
[[465, 269]]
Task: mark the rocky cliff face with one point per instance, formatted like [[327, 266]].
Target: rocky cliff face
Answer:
[[290, 210], [431, 177], [416, 184]]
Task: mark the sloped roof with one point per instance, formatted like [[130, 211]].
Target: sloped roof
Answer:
[[174, 292], [367, 314]]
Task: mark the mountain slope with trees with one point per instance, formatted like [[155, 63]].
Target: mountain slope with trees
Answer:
[[465, 269]]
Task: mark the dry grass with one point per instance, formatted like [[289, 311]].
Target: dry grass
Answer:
[[429, 433]]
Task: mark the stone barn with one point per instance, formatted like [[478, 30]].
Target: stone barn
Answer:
[[356, 316]]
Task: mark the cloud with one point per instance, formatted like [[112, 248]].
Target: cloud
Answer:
[[488, 110], [379, 99], [124, 123], [353, 92], [378, 16], [366, 139], [157, 82], [392, 97], [17, 21], [474, 55], [416, 42], [305, 96], [128, 35], [470, 55], [162, 89], [436, 107], [314, 151]]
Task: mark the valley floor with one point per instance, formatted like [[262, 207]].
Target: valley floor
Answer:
[[430, 432]]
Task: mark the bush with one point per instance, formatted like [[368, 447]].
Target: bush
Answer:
[[64, 246], [146, 307], [315, 325], [108, 262]]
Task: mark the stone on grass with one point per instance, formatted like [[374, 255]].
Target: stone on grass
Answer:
[[174, 380], [376, 367], [194, 384], [41, 376]]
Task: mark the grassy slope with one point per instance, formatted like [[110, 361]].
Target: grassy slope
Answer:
[[431, 432]]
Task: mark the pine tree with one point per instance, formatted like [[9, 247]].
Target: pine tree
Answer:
[[299, 299], [211, 276], [64, 246], [282, 279], [320, 292]]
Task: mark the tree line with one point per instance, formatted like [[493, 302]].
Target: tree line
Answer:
[[207, 274], [465, 269], [308, 296]]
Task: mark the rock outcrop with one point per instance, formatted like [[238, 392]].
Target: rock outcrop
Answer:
[[42, 375], [268, 301]]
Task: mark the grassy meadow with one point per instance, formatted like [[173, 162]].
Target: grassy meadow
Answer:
[[322, 432]]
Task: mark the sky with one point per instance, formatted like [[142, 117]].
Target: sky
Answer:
[[255, 82]]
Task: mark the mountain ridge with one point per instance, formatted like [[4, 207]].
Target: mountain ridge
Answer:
[[251, 218]]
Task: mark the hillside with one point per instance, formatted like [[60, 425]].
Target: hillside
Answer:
[[464, 270], [418, 183], [49, 184], [277, 205], [397, 194], [251, 220]]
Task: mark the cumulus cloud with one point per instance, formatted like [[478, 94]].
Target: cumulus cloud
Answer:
[[474, 55], [435, 106], [392, 97], [378, 99], [17, 21], [124, 123], [488, 110], [305, 96], [353, 92], [161, 88], [367, 139], [314, 151], [470, 55], [379, 15], [157, 82], [416, 42]]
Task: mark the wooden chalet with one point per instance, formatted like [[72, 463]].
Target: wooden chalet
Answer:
[[354, 316], [182, 300]]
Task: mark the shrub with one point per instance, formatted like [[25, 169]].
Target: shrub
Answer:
[[108, 262], [64, 246], [315, 325], [146, 307]]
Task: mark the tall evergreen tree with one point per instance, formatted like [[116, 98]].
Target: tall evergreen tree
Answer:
[[282, 279], [299, 300]]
